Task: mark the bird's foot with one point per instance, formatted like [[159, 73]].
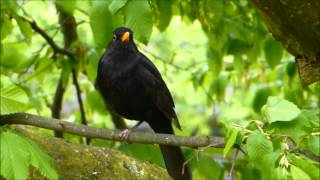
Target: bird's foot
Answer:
[[125, 134]]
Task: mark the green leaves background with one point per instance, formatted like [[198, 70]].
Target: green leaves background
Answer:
[[228, 76]]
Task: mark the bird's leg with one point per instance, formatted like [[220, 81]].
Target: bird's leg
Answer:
[[125, 133]]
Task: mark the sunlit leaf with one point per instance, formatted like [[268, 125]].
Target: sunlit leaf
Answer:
[[14, 58], [12, 98], [258, 146], [314, 145], [138, 17], [278, 109], [10, 5], [67, 6], [18, 153], [116, 5], [298, 174], [6, 26], [296, 129], [230, 142], [101, 22], [308, 166], [25, 28], [14, 158]]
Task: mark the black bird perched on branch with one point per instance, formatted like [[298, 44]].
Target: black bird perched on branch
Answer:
[[132, 86]]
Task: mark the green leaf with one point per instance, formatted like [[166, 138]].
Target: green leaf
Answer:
[[14, 157], [14, 58], [308, 166], [296, 129], [115, 6], [269, 166], [231, 140], [237, 46], [273, 52], [298, 174], [17, 153], [101, 22], [138, 17], [278, 109], [291, 69], [25, 29], [314, 145], [10, 5], [6, 26], [219, 85], [40, 160], [208, 167], [215, 61], [260, 97], [12, 98], [164, 14], [258, 146], [67, 6]]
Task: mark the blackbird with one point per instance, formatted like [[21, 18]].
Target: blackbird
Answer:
[[132, 87]]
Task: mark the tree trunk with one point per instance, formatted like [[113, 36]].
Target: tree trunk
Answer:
[[296, 24]]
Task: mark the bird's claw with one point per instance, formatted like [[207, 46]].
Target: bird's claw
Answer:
[[125, 134]]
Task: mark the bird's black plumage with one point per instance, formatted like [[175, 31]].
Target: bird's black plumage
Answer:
[[132, 87]]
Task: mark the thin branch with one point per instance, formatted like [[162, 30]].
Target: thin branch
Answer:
[[57, 100], [114, 135], [54, 46], [78, 90]]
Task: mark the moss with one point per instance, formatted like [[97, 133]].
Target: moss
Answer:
[[77, 161]]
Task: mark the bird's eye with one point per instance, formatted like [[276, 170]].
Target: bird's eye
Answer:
[[114, 37]]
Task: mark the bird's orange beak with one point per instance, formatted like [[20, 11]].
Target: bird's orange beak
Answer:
[[125, 37]]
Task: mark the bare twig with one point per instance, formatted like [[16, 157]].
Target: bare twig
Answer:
[[114, 135], [54, 46], [78, 90]]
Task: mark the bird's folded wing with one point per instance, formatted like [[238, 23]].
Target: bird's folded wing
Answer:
[[157, 90]]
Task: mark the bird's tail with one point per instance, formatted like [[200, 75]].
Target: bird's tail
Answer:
[[172, 155]]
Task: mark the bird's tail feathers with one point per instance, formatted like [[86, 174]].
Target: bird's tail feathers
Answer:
[[172, 155]]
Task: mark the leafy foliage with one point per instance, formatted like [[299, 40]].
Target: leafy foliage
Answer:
[[277, 109], [18, 153], [227, 74], [12, 97]]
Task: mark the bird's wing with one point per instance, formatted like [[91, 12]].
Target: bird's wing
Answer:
[[157, 90], [99, 72]]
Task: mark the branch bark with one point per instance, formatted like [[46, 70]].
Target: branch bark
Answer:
[[57, 101], [114, 135], [69, 29]]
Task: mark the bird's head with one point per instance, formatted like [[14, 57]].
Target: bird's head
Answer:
[[122, 35], [123, 39]]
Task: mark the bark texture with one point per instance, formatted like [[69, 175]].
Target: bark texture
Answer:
[[296, 24]]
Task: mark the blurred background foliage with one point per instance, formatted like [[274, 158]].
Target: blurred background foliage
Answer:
[[217, 57]]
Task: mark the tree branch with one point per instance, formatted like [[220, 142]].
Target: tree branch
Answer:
[[114, 135], [57, 100], [78, 90], [53, 45]]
